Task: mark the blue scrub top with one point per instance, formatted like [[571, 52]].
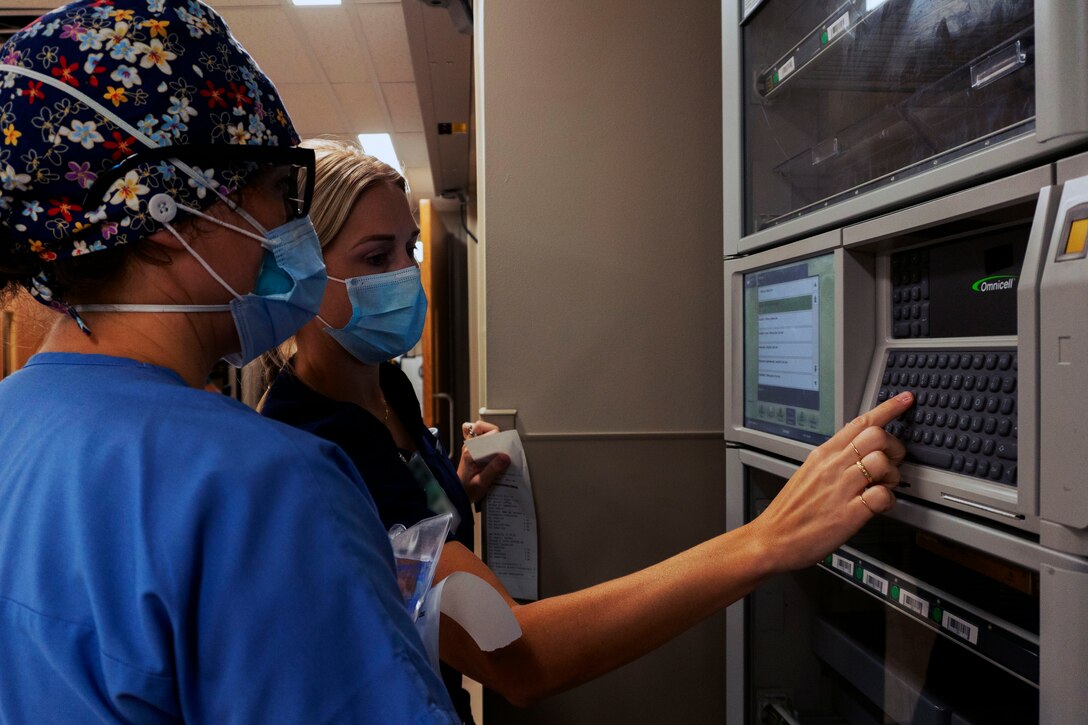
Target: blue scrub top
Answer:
[[166, 554]]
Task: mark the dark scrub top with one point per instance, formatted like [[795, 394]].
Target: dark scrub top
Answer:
[[399, 496], [166, 555]]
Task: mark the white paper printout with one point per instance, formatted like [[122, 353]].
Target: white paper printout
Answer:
[[509, 516]]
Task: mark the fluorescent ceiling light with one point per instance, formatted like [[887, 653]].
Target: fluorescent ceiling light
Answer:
[[316, 2], [380, 146], [871, 5]]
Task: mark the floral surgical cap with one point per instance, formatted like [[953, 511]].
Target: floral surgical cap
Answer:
[[87, 85]]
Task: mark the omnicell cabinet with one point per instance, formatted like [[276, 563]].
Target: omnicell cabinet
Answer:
[[911, 213]]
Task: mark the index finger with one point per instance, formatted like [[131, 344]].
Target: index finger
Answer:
[[879, 416]]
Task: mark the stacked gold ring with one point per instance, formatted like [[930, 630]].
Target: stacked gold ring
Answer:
[[861, 466]]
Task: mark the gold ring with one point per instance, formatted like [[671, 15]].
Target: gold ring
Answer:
[[864, 471], [863, 503], [856, 451]]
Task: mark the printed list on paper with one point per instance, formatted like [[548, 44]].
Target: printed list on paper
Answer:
[[510, 542]]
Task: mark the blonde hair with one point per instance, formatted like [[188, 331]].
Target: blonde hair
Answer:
[[342, 173]]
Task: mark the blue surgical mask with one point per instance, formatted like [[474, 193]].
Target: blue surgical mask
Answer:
[[387, 315], [286, 295]]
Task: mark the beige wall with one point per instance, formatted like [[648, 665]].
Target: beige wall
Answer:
[[598, 305]]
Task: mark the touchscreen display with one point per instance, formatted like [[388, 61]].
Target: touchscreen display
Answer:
[[789, 335]]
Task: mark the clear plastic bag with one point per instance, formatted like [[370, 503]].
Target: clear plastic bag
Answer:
[[416, 551]]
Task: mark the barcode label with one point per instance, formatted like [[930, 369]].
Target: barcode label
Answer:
[[915, 604], [872, 581], [838, 26], [957, 626], [844, 565], [785, 69]]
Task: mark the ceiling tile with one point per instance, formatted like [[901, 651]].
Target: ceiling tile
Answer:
[[403, 103], [268, 35], [362, 107], [339, 47], [387, 37], [312, 109], [411, 149]]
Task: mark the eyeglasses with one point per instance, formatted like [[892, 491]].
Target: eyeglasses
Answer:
[[299, 177]]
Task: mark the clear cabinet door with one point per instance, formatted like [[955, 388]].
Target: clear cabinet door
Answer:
[[845, 95]]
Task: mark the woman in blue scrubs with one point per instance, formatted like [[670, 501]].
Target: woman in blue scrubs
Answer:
[[166, 554], [338, 387]]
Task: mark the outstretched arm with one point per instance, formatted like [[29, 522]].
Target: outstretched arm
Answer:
[[570, 639]]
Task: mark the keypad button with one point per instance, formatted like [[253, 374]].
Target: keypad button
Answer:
[[992, 405], [1007, 406], [901, 360], [901, 329], [919, 416], [914, 380], [969, 465], [983, 468], [953, 361], [954, 401], [1008, 384], [911, 360], [946, 381], [957, 382], [915, 293], [996, 469], [968, 382], [988, 447], [952, 420], [978, 404], [1010, 475], [916, 436], [949, 441], [931, 398], [975, 444], [1007, 451], [995, 384], [977, 361], [1004, 360], [927, 437], [942, 361], [981, 382], [990, 426], [882, 395], [991, 361], [976, 424], [895, 378], [931, 361], [886, 379], [939, 420], [923, 380], [942, 400], [925, 288], [896, 296], [915, 312], [915, 329], [961, 442], [965, 361], [957, 462], [938, 438], [930, 417], [1004, 427], [965, 422]]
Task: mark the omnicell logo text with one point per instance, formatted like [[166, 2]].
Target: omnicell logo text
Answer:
[[994, 284]]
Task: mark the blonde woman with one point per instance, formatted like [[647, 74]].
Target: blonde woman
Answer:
[[337, 387]]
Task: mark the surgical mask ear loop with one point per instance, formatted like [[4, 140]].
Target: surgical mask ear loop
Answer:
[[341, 281], [163, 209]]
